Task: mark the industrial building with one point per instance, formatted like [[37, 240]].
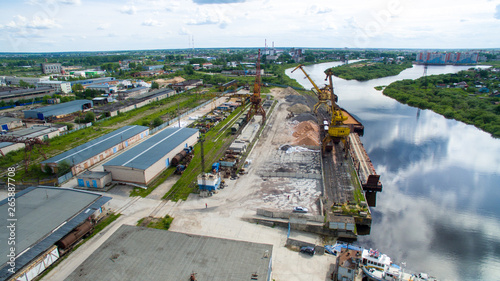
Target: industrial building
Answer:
[[107, 88], [9, 123], [139, 253], [14, 80], [91, 179], [51, 68], [94, 151], [94, 81], [148, 159], [137, 102], [43, 216], [39, 131], [52, 112], [60, 86], [13, 94]]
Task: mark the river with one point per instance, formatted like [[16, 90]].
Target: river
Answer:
[[439, 210]]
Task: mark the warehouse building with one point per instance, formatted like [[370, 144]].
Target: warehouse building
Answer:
[[144, 162], [9, 123], [52, 112], [38, 131], [94, 151], [134, 103], [44, 216], [13, 94], [139, 253]]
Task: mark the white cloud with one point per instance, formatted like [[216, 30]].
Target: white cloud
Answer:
[[184, 31], [151, 22], [70, 2], [210, 17], [497, 12], [37, 22], [131, 10], [103, 26]]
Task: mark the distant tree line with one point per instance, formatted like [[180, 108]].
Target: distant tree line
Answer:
[[368, 71], [468, 106]]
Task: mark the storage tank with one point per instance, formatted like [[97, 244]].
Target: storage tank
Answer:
[[75, 235], [177, 158]]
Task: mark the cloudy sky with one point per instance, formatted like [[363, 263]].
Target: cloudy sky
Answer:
[[96, 25]]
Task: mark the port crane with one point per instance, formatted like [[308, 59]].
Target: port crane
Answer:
[[324, 94], [337, 130], [255, 99]]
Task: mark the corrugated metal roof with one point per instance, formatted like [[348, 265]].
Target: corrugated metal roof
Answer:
[[138, 253], [94, 147], [45, 215], [59, 109], [150, 151]]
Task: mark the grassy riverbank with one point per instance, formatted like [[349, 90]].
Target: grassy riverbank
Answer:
[[447, 95], [363, 71]]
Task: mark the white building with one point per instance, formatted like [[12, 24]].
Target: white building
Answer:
[[60, 86]]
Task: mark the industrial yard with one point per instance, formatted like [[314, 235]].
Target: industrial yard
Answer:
[[248, 167]]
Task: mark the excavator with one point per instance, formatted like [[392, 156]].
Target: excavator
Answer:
[[337, 130], [324, 94]]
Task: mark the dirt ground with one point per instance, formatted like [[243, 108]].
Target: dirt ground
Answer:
[[223, 214]]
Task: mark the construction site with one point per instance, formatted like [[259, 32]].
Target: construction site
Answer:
[[285, 169]]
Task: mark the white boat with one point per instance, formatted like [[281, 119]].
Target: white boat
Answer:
[[379, 267], [394, 273]]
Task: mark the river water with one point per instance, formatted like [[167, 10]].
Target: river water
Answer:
[[439, 210]]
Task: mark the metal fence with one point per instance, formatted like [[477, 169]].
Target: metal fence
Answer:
[[64, 178], [78, 127]]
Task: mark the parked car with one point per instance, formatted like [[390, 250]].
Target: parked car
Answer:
[[299, 209], [307, 250]]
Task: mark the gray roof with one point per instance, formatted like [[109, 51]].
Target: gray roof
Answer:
[[93, 175], [45, 215], [139, 253], [33, 132], [145, 154], [60, 109], [98, 145], [5, 120]]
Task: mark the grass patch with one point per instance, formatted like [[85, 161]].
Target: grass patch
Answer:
[[164, 223]]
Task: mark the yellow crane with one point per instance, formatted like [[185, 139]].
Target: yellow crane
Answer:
[[324, 94], [337, 130]]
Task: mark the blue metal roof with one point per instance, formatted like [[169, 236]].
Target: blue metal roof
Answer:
[[44, 216], [57, 109], [98, 145], [150, 151]]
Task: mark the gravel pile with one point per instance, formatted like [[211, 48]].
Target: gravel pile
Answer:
[[296, 99], [306, 116]]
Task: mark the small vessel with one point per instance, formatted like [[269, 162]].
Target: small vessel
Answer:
[[379, 267]]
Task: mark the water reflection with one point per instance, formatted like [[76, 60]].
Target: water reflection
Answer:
[[439, 210]]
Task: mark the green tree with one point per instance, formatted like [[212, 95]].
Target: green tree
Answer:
[[155, 85], [189, 69], [157, 122], [77, 88], [25, 84], [89, 117]]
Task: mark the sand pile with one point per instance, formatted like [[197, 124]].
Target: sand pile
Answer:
[[306, 133]]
